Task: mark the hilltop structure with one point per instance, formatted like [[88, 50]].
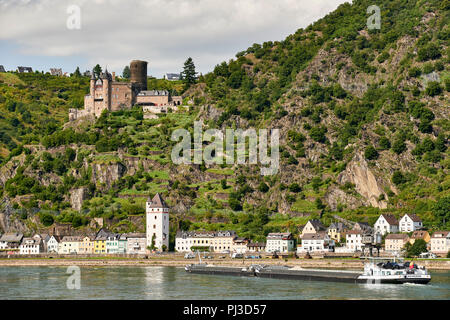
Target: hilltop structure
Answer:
[[2, 69], [106, 93], [56, 72], [157, 217]]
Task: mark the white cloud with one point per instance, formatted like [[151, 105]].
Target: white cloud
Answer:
[[163, 32]]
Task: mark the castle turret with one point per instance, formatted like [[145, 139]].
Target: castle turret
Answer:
[[92, 84], [106, 78]]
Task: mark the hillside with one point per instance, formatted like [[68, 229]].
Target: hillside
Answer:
[[363, 118]]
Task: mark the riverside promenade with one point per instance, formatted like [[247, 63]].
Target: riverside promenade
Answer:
[[177, 260]]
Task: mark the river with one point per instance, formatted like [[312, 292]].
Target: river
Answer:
[[174, 283]]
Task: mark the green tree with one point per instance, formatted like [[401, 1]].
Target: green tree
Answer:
[[441, 210], [416, 248], [126, 73], [77, 72], [47, 219], [97, 70], [189, 74]]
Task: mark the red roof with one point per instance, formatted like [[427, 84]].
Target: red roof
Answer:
[[413, 217], [390, 218]]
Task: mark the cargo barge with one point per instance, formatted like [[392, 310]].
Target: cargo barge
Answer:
[[218, 270], [374, 273]]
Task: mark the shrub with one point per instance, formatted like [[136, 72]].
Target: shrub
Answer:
[[371, 153], [430, 51], [399, 146], [414, 72], [398, 178], [433, 89], [385, 144]]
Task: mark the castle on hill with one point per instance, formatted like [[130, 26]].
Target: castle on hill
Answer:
[[105, 93]]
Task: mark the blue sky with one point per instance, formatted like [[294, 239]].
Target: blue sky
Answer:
[[163, 32]]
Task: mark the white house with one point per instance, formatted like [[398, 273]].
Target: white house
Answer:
[[239, 245], [279, 242], [440, 242], [11, 241], [410, 222], [136, 243], [386, 223], [53, 244], [354, 240], [31, 245], [157, 216], [313, 226], [316, 242]]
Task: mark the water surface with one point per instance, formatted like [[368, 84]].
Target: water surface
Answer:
[[174, 283]]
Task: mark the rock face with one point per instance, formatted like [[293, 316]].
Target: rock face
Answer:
[[366, 184], [7, 221], [107, 173], [336, 196], [9, 170], [77, 196]]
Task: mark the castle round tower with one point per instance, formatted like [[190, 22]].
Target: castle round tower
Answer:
[[138, 77]]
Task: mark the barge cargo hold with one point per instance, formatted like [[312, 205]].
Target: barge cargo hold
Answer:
[[309, 274], [373, 273], [217, 270]]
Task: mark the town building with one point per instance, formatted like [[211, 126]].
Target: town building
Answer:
[[157, 219], [223, 241], [335, 231], [32, 245], [420, 234], [11, 242], [100, 241], [86, 245], [172, 76], [240, 245], [316, 242], [56, 72], [410, 222], [364, 227], [136, 243], [440, 243], [386, 223], [256, 246], [395, 242], [313, 226], [112, 243], [2, 69], [52, 244], [279, 242], [186, 241], [354, 240], [69, 245], [218, 241], [24, 69]]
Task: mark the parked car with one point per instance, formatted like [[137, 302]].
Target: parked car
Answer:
[[428, 255], [189, 256], [237, 256]]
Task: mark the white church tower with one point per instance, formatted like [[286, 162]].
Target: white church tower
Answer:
[[157, 222]]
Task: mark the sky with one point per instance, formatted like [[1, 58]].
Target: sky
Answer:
[[65, 34]]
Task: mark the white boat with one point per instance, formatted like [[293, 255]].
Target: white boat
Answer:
[[393, 272]]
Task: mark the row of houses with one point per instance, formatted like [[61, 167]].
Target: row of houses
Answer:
[[104, 242]]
